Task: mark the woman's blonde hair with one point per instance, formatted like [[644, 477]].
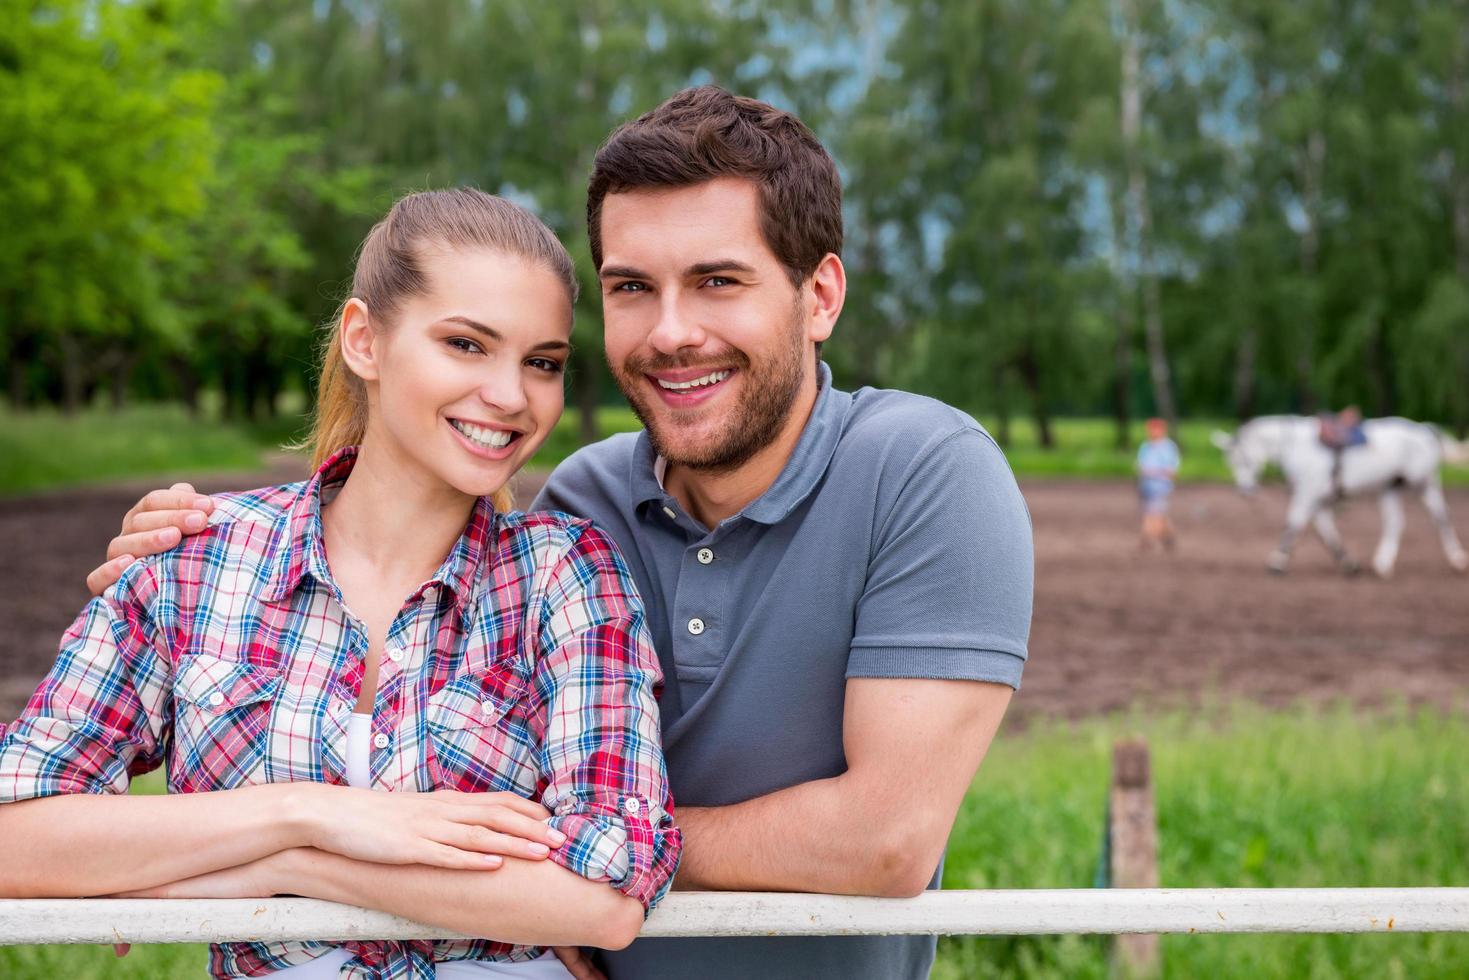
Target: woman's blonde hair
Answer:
[[389, 270]]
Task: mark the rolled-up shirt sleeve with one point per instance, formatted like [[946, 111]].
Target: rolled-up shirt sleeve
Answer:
[[600, 752], [97, 718]]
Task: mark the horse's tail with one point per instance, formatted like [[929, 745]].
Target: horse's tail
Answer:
[[1455, 451]]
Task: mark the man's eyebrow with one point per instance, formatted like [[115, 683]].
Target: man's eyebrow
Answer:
[[621, 272], [720, 265]]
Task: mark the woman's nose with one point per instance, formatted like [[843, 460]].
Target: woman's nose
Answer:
[[504, 391]]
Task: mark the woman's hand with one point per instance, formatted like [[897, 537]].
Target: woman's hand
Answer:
[[444, 829], [156, 523]]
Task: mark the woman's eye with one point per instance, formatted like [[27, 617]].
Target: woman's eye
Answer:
[[464, 345], [547, 364]]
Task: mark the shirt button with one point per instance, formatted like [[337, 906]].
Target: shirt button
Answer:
[[487, 706], [632, 806], [696, 626], [216, 699], [380, 740], [706, 555], [671, 515], [395, 655]]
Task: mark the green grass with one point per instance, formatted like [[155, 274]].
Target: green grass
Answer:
[[1245, 798], [43, 450], [46, 449]]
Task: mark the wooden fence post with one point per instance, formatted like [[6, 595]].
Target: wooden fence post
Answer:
[[1132, 839]]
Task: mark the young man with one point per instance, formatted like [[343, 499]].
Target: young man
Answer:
[[838, 584]]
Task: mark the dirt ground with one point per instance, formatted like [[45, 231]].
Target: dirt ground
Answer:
[[1112, 628]]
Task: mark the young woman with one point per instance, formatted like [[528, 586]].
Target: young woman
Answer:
[[378, 686]]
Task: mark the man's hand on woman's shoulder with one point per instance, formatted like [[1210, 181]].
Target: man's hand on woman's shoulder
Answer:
[[156, 523]]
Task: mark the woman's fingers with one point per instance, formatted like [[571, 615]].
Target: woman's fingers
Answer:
[[510, 801], [473, 837], [507, 821], [443, 856]]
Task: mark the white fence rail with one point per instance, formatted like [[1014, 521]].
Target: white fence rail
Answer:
[[1037, 912]]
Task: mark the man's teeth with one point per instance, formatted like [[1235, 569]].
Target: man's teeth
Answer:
[[713, 378], [490, 438]]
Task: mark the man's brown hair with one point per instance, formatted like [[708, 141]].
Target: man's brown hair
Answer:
[[703, 133]]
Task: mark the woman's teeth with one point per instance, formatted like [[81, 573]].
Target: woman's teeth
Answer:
[[490, 438], [713, 378]]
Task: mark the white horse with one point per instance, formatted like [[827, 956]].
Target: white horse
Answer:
[[1399, 454]]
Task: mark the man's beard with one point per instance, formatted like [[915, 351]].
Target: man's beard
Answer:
[[768, 393]]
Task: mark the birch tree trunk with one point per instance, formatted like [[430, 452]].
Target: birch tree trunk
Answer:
[[1137, 192]]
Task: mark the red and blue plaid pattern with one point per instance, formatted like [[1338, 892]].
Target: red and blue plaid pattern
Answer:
[[522, 665]]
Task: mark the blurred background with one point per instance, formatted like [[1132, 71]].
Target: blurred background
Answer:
[[1063, 217]]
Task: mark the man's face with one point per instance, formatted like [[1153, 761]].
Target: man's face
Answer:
[[705, 334]]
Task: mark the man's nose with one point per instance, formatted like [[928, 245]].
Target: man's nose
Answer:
[[675, 329]]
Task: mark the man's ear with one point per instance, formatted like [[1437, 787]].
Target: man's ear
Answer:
[[358, 340], [827, 293]]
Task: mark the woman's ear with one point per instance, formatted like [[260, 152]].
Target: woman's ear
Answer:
[[358, 340]]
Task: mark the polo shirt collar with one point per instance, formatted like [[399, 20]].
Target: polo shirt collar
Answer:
[[298, 551], [805, 468]]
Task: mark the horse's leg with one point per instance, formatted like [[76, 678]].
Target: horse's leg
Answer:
[[1300, 511], [1392, 532], [1438, 509], [1325, 525]]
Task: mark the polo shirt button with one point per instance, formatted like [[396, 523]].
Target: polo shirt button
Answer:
[[380, 740], [671, 515], [632, 806], [216, 699], [706, 555], [696, 626]]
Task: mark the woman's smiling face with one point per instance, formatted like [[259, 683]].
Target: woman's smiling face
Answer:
[[466, 382]]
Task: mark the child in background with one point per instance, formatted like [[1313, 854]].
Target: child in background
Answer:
[[1157, 466]]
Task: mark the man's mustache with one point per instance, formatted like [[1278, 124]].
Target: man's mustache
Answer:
[[665, 362]]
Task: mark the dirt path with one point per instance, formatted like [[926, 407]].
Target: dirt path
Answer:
[[1112, 628]]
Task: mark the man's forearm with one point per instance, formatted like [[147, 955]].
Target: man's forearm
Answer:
[[537, 903], [822, 836]]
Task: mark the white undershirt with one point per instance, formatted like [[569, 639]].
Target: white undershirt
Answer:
[[328, 967]]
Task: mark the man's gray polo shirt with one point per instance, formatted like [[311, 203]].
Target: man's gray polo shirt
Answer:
[[894, 543]]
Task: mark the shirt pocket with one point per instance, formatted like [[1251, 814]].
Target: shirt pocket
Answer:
[[222, 722], [476, 741]]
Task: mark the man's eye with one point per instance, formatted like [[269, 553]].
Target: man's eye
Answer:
[[630, 287], [464, 345], [719, 281]]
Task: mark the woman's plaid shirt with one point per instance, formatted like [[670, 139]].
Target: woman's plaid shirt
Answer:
[[522, 665]]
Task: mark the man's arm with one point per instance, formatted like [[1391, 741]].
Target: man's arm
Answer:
[[877, 829], [939, 641]]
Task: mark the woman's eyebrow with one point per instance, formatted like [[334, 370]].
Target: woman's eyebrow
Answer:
[[490, 332], [552, 345]]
